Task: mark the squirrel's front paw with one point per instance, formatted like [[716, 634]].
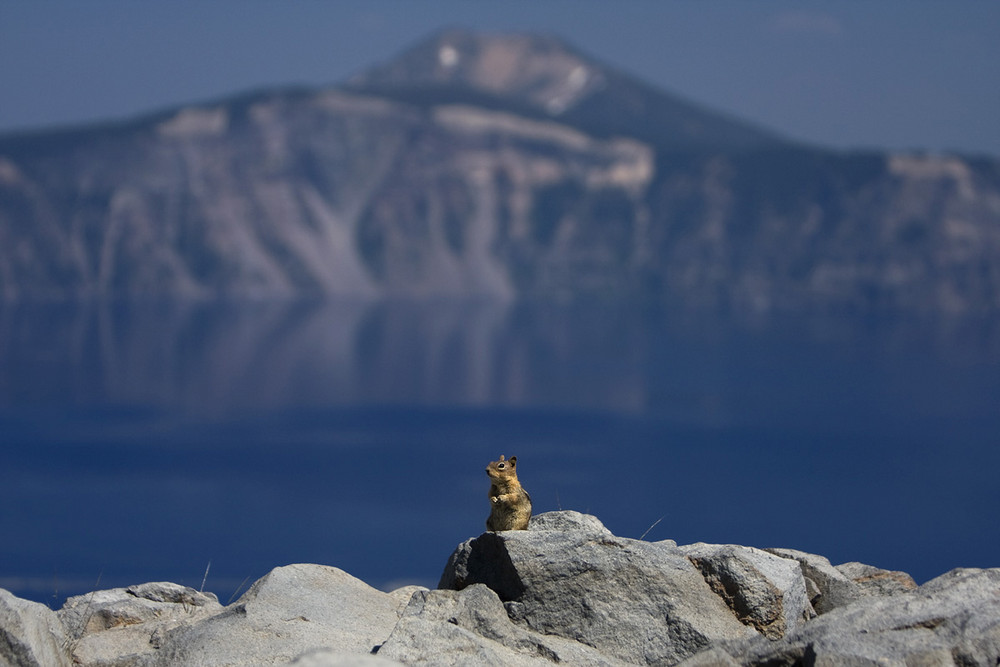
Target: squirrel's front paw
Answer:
[[494, 499]]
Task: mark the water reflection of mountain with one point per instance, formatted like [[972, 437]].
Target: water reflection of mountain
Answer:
[[222, 356], [142, 440]]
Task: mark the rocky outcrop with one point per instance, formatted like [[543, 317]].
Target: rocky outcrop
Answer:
[[828, 587], [951, 620], [290, 611], [765, 591], [875, 581], [104, 626], [30, 634], [502, 167], [566, 574], [565, 591], [471, 626]]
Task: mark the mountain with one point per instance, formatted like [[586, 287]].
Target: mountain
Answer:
[[490, 166], [544, 78]]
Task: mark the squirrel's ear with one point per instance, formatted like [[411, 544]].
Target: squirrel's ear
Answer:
[[513, 460], [501, 457]]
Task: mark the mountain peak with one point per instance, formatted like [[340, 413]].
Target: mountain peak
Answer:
[[546, 75], [541, 70]]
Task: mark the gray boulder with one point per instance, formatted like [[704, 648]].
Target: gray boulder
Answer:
[[325, 657], [765, 591], [31, 634], [119, 625], [471, 627], [951, 620], [567, 521], [829, 588], [710, 657], [568, 576], [288, 613], [876, 581], [401, 596], [565, 591]]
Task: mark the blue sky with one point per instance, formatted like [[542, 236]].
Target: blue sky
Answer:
[[899, 74]]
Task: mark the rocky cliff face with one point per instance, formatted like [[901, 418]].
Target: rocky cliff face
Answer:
[[475, 166]]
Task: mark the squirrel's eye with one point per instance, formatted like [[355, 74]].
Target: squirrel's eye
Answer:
[[501, 466]]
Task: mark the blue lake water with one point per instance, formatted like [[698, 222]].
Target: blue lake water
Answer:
[[211, 442]]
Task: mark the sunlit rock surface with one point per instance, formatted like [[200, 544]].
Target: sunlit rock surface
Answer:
[[566, 591]]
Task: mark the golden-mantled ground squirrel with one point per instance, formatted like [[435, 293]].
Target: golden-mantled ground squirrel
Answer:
[[510, 503]]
